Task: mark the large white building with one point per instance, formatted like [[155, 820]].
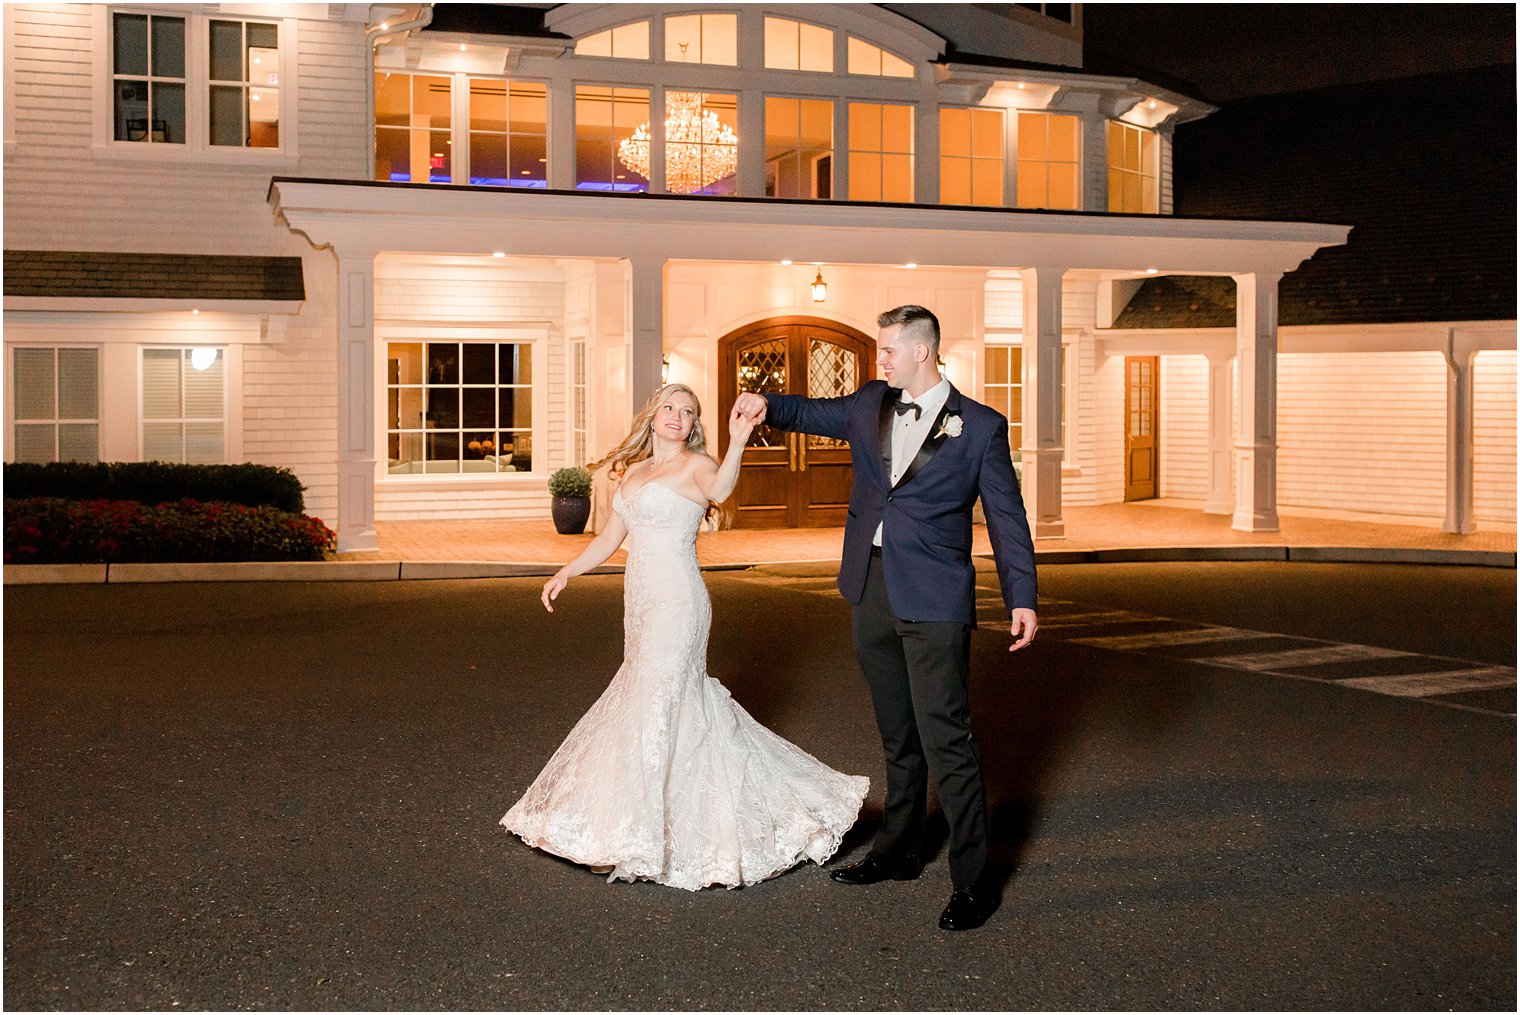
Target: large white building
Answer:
[[426, 254]]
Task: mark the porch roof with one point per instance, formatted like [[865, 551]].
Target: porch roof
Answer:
[[368, 217], [93, 274]]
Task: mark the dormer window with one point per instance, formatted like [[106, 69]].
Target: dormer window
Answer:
[[625, 42], [865, 58], [702, 38], [1132, 169], [797, 45]]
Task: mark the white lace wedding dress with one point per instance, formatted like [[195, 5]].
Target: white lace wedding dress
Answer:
[[666, 777]]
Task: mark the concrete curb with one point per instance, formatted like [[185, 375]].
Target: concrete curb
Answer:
[[393, 570]]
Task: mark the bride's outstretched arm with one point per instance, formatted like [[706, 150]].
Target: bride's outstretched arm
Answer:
[[717, 484], [597, 552]]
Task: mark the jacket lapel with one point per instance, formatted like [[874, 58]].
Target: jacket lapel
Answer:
[[884, 431], [930, 447]]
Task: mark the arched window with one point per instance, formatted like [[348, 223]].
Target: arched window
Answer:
[[625, 42], [865, 58], [702, 38], [797, 45]]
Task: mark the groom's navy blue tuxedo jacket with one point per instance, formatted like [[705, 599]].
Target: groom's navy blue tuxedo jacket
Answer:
[[926, 517]]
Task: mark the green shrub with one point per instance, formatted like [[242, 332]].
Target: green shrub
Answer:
[[156, 482], [571, 482], [51, 530]]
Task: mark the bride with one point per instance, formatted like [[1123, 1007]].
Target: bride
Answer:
[[666, 777]]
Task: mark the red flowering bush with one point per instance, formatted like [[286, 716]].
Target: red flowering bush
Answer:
[[50, 530]]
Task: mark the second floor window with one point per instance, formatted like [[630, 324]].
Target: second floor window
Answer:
[[148, 77], [797, 45], [1049, 164], [702, 38], [508, 134], [625, 42], [413, 128], [606, 118], [1132, 157], [865, 58], [799, 148], [971, 156], [881, 152], [245, 80]]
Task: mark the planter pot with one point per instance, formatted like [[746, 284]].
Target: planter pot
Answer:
[[570, 514]]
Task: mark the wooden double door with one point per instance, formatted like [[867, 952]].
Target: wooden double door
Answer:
[[792, 480]]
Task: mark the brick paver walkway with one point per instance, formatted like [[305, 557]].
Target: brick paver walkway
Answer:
[[1106, 527]]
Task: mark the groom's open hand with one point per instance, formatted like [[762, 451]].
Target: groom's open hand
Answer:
[[1022, 629]]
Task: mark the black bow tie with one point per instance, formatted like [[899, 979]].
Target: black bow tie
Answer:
[[903, 408]]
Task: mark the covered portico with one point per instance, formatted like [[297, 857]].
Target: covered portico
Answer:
[[360, 221]]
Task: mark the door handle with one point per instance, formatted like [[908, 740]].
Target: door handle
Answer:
[[802, 452], [791, 452]]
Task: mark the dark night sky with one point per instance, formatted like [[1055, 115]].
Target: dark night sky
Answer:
[[1235, 50]]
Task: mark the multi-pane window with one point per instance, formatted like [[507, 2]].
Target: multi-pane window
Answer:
[[799, 148], [148, 77], [1060, 12], [797, 45], [865, 58], [245, 84], [459, 407], [625, 42], [1132, 156], [604, 119], [971, 156], [1003, 390], [701, 143], [55, 397], [702, 38], [881, 152], [413, 123], [1049, 165], [578, 401], [184, 405], [508, 133]]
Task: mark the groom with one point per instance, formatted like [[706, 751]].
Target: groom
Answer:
[[922, 454]]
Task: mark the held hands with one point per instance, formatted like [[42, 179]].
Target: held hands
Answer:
[[552, 588], [1022, 628], [748, 413]]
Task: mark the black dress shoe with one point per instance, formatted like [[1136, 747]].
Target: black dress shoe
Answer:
[[876, 867], [967, 910]]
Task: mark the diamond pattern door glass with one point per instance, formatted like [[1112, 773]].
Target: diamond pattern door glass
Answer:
[[832, 370], [763, 369]]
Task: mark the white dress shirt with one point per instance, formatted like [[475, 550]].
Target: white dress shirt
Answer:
[[909, 434]]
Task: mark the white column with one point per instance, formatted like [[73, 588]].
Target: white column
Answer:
[[1094, 154], [356, 401], [1221, 496], [841, 191], [1256, 426], [752, 143], [561, 136], [926, 153], [646, 327], [1459, 436], [1042, 451], [657, 139]]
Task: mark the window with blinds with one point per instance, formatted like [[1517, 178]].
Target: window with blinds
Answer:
[[184, 401], [55, 396]]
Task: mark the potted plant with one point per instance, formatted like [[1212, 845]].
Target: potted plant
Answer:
[[571, 505]]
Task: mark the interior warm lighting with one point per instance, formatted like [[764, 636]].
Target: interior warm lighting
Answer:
[[665, 370], [820, 287], [202, 358], [699, 148]]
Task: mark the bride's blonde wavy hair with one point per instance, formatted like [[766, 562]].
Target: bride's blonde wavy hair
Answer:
[[639, 444]]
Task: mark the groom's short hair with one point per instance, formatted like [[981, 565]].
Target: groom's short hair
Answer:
[[918, 323]]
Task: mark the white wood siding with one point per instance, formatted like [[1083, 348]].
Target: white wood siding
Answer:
[[1494, 436], [1183, 425], [62, 192], [1363, 432]]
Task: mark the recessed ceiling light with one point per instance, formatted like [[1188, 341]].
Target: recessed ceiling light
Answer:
[[787, 261], [1150, 271], [911, 264], [498, 253], [196, 310]]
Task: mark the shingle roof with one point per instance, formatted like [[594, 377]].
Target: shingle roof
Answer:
[[76, 273], [1423, 169]]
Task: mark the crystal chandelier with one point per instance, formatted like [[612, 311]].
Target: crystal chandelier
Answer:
[[699, 149]]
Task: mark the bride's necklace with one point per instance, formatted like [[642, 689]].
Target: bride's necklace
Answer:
[[655, 463]]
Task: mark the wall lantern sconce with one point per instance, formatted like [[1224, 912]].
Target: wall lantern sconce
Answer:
[[820, 288], [665, 370]]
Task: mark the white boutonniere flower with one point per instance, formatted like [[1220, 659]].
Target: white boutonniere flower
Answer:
[[951, 427]]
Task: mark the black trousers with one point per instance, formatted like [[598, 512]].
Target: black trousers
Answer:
[[918, 674]]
